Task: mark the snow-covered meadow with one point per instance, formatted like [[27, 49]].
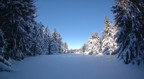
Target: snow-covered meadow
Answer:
[[73, 66]]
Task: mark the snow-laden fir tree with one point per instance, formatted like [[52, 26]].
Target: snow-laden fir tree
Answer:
[[3, 43], [4, 64], [38, 46], [47, 40], [56, 42], [83, 49], [15, 17], [129, 17], [93, 44], [108, 44], [64, 47]]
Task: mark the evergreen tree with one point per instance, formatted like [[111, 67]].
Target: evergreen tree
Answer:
[[108, 44], [4, 64], [56, 42], [47, 38], [64, 47], [3, 44], [93, 44], [15, 18], [38, 39], [84, 49], [129, 17]]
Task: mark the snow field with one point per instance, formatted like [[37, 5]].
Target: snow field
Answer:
[[73, 66]]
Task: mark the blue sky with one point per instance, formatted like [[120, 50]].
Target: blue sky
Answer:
[[75, 20]]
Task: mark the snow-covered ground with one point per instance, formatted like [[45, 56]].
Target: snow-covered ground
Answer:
[[72, 66]]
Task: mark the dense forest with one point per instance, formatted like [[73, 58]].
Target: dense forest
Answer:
[[21, 35]]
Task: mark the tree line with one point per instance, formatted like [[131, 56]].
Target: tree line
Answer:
[[21, 35], [105, 45], [125, 37]]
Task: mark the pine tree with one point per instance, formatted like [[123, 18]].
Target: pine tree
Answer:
[[38, 45], [93, 44], [84, 49], [4, 64], [56, 42], [16, 16], [108, 44], [64, 47], [129, 17], [3, 43], [46, 41]]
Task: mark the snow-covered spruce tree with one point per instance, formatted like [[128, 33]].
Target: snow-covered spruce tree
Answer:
[[44, 42], [50, 46], [38, 46], [93, 44], [84, 49], [108, 44], [4, 64], [129, 17], [47, 39], [64, 47], [56, 42], [15, 16], [3, 43]]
